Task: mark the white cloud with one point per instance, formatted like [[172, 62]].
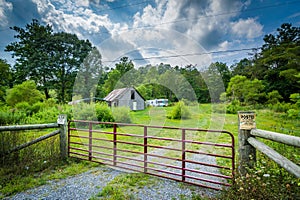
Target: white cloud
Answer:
[[207, 21], [72, 17], [4, 7], [170, 27], [84, 3], [248, 28]]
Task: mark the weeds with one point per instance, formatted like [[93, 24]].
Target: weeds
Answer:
[[266, 181]]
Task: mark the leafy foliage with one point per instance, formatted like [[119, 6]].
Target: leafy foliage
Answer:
[[180, 111], [121, 114], [25, 92], [6, 78], [89, 74], [104, 113], [50, 59]]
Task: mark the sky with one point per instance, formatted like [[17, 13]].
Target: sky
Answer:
[[176, 32]]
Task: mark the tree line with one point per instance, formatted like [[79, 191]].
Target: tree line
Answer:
[[61, 65]]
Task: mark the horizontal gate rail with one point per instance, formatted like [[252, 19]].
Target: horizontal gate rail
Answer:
[[62, 132], [39, 139], [179, 159]]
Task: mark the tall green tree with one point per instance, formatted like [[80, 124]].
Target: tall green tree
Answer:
[[50, 59], [89, 75], [112, 80], [217, 77], [281, 52], [243, 68], [69, 53], [195, 78], [249, 92], [124, 65], [32, 53]]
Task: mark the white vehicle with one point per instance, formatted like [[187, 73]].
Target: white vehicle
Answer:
[[157, 102]]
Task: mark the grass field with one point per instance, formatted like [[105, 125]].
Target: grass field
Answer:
[[203, 116]]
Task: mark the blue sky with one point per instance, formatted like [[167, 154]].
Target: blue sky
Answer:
[[155, 31]]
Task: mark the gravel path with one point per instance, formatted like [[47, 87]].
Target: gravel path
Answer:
[[88, 184]]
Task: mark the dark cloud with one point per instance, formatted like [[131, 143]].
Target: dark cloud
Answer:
[[206, 17], [212, 39]]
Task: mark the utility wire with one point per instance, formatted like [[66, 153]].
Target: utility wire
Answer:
[[207, 16], [192, 19], [188, 54]]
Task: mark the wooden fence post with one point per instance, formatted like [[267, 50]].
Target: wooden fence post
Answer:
[[62, 122], [247, 153]]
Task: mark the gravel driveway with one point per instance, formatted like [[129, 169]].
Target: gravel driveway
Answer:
[[88, 184]]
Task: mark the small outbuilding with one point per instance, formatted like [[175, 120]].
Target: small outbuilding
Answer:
[[128, 97]]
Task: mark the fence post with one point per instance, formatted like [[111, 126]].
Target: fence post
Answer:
[[247, 153], [62, 123]]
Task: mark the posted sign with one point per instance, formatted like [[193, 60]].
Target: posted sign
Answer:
[[247, 120]]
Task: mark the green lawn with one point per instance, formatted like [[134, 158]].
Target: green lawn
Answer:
[[202, 117]]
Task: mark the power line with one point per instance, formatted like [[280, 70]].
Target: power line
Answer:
[[188, 54], [209, 16], [188, 19], [233, 12]]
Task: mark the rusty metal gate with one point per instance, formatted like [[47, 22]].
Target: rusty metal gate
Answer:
[[180, 154]]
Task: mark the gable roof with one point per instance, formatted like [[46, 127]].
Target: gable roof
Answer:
[[117, 93]]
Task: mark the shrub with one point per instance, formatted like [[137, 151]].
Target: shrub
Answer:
[[24, 107], [85, 111], [293, 114], [180, 111], [121, 114], [233, 107], [49, 114], [9, 116], [37, 107], [274, 97], [281, 107], [103, 113], [26, 91]]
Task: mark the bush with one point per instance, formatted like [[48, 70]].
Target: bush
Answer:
[[85, 111], [49, 114], [103, 113], [23, 107], [233, 107], [9, 116], [37, 107], [180, 111], [293, 114], [121, 114], [281, 107], [25, 92]]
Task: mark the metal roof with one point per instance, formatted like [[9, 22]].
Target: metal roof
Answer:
[[116, 94]]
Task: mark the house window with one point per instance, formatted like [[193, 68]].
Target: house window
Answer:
[[132, 94]]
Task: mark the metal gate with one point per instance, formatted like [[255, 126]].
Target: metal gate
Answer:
[[180, 154]]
